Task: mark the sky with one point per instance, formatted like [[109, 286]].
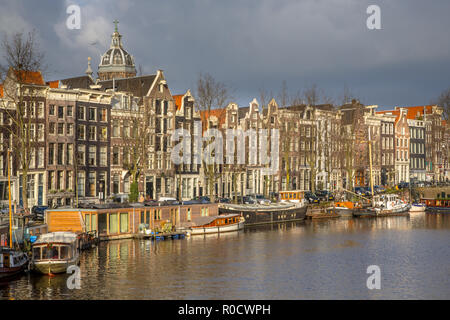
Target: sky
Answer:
[[254, 45]]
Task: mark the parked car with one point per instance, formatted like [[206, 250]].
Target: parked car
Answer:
[[202, 199], [311, 197], [379, 189], [259, 198], [248, 200], [224, 200], [359, 190], [324, 195]]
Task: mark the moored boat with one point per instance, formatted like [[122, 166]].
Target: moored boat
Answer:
[[213, 224], [55, 252], [255, 214], [436, 205], [12, 262], [344, 208], [418, 207]]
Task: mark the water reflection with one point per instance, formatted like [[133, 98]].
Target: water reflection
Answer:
[[313, 259]]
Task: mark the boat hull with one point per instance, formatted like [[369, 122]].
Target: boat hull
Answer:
[[53, 267], [10, 272], [261, 216], [438, 210], [217, 229]]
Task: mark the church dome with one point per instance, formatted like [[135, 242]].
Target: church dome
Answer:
[[116, 62]]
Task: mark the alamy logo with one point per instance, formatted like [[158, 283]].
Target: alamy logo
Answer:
[[374, 280], [253, 153], [74, 20], [374, 20], [74, 280]]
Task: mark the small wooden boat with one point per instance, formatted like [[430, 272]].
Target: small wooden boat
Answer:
[[345, 208], [54, 252], [213, 224], [12, 262]]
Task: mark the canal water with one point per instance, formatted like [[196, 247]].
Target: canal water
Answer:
[[303, 260]]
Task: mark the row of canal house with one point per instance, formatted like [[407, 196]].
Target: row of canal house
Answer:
[[124, 221]]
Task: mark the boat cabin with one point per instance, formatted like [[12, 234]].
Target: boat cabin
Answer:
[[293, 195], [440, 203], [56, 246]]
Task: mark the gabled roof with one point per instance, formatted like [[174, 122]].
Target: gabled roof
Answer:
[[396, 113], [83, 82], [53, 84], [138, 86]]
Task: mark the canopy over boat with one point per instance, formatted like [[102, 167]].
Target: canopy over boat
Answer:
[[57, 237]]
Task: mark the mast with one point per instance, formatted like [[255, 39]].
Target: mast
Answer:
[[9, 196], [370, 162]]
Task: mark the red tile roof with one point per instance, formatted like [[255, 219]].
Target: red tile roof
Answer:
[[178, 98], [30, 77], [1, 91], [53, 84], [220, 114]]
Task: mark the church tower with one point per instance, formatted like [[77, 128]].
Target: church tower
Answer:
[[116, 62]]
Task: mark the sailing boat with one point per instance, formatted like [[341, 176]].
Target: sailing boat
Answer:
[[12, 261]]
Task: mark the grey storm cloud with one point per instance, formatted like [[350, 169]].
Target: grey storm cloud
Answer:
[[254, 44]]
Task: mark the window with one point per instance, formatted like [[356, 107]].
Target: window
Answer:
[[92, 155], [124, 222], [61, 129], [92, 133], [81, 184], [69, 154], [81, 113], [92, 114], [41, 157], [51, 110], [60, 153], [40, 111], [103, 157], [60, 112], [103, 134], [51, 153], [81, 132], [116, 183], [91, 184], [126, 129], [115, 159], [69, 129], [81, 155], [51, 128], [115, 128], [103, 114], [40, 132], [69, 110]]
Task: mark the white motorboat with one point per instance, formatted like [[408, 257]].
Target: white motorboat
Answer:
[[418, 207]]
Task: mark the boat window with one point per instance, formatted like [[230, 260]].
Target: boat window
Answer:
[[44, 253], [64, 252], [37, 253], [54, 252]]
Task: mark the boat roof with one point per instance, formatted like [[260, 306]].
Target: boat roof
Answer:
[[60, 236], [200, 221], [257, 206]]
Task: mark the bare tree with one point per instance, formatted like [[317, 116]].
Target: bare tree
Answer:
[[211, 94], [444, 102], [23, 61]]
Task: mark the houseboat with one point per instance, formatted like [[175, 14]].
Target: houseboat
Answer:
[[55, 252], [255, 214], [12, 262], [214, 224], [436, 205], [296, 196], [112, 221]]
